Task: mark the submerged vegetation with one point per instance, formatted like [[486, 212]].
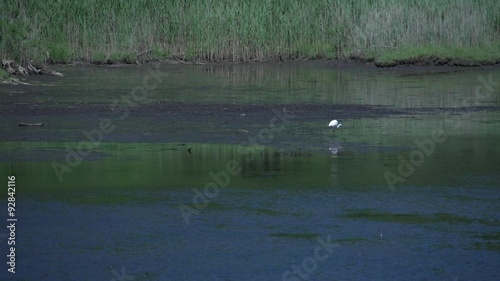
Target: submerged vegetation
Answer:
[[412, 218], [127, 31]]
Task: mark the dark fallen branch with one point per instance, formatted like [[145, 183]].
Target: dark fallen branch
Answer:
[[30, 124]]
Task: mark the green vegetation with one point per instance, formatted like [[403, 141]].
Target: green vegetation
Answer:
[[267, 212], [6, 78], [466, 56], [408, 218], [492, 242], [3, 74], [126, 31], [295, 235]]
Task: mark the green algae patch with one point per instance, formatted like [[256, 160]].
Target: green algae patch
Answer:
[[408, 218], [268, 212], [304, 235]]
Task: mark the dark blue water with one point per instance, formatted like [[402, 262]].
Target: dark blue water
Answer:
[[259, 234]]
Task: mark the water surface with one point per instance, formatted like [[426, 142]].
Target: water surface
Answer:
[[268, 194]]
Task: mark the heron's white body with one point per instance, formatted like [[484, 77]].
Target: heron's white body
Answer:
[[334, 124]]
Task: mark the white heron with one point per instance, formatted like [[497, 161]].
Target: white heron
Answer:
[[334, 124]]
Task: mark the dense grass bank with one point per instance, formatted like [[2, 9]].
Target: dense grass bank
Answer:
[[239, 30]]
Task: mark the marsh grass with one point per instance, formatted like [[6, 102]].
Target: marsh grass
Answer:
[[260, 30]]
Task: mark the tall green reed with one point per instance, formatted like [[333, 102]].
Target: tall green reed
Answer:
[[224, 30]]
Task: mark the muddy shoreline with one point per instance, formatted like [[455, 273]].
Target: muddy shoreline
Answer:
[[431, 64]]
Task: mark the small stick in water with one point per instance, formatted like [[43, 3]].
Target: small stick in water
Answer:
[[30, 124]]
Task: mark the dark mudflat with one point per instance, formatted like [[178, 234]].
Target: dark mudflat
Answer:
[[168, 122]]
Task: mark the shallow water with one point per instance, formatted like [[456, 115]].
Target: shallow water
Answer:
[[230, 197]]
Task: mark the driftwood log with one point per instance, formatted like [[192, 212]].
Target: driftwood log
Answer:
[[16, 69]]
